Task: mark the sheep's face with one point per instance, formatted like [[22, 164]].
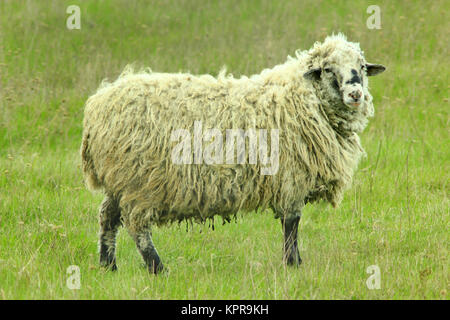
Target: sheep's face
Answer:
[[343, 77]]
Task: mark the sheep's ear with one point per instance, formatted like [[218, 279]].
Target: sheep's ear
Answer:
[[313, 74], [374, 69]]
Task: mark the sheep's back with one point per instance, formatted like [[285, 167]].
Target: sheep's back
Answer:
[[129, 125]]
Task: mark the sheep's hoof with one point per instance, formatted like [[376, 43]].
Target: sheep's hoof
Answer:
[[156, 268], [107, 260], [294, 260], [109, 267]]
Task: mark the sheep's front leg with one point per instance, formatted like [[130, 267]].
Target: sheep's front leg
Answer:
[[290, 229], [148, 251], [109, 219]]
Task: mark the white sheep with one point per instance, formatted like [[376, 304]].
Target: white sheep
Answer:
[[317, 102]]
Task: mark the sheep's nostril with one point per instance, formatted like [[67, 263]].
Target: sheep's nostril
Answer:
[[355, 95]]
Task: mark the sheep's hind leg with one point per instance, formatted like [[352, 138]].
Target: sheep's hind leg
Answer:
[[290, 228], [148, 251], [109, 219]]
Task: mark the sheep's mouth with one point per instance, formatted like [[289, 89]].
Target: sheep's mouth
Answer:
[[355, 104], [350, 105]]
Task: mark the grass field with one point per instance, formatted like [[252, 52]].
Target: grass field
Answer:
[[396, 216]]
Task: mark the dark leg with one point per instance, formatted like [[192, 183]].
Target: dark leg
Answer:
[[290, 228], [109, 219], [148, 251]]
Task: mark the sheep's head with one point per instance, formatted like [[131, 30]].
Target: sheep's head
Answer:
[[338, 68]]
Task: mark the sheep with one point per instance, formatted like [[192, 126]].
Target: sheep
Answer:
[[318, 101]]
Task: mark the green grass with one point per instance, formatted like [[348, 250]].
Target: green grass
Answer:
[[395, 216]]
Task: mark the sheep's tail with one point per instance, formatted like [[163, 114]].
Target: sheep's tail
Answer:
[[90, 177]]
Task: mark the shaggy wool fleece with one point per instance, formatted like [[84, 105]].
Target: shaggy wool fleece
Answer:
[[127, 150]]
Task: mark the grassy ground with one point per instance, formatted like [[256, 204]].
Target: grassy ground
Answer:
[[396, 216]]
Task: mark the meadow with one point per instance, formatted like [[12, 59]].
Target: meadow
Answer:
[[395, 216]]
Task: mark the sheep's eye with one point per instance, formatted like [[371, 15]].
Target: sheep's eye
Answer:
[[328, 70], [363, 67]]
